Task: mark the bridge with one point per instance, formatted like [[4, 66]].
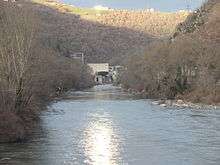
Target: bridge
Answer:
[[100, 72], [104, 73]]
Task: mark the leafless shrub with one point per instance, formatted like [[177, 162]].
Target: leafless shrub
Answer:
[[30, 73], [188, 65], [16, 43]]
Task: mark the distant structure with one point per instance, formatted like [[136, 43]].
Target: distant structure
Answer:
[[188, 8], [78, 56], [9, 0], [100, 72], [101, 8], [151, 10], [104, 73], [99, 67], [115, 72]]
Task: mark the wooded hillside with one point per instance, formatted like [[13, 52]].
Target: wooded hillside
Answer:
[[102, 35], [185, 66]]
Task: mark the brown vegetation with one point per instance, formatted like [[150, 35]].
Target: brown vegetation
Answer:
[[11, 127], [158, 24], [187, 66], [30, 73], [107, 36]]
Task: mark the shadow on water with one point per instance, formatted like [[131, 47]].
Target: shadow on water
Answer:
[[107, 126], [109, 92]]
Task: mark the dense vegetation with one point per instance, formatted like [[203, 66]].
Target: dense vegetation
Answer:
[[30, 73], [185, 66]]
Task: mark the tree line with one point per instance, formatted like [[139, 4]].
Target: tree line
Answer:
[[30, 73], [187, 67]]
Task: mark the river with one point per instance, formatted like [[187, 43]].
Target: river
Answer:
[[106, 126]]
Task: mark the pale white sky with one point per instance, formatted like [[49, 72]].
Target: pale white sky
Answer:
[[162, 5]]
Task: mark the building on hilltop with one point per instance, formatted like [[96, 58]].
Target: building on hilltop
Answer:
[[9, 0], [78, 56]]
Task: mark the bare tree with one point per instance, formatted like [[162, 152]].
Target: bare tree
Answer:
[[17, 35]]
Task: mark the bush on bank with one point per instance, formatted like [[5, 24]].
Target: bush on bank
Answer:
[[187, 68], [31, 74]]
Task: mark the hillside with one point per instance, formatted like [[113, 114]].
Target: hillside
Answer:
[[204, 22], [187, 66], [158, 24], [102, 35], [152, 22]]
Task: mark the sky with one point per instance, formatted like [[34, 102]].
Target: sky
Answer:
[[161, 5]]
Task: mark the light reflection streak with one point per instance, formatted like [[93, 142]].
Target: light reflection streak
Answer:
[[101, 146]]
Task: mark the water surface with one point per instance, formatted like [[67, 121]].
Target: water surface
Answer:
[[106, 126]]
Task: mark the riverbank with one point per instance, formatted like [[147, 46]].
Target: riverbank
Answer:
[[18, 127], [105, 125], [183, 104], [35, 75], [184, 67], [175, 102]]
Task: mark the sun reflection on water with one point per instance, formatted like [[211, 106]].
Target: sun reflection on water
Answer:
[[100, 143]]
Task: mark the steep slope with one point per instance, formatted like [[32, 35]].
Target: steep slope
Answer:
[[187, 66], [67, 34], [159, 24], [152, 22], [204, 22], [102, 35]]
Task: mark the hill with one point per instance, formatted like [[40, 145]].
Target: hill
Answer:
[[109, 35], [186, 66], [204, 22]]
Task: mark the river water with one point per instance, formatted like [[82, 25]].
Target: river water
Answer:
[[106, 126]]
